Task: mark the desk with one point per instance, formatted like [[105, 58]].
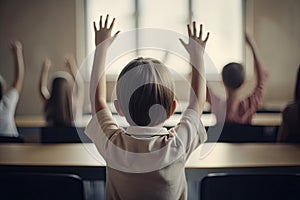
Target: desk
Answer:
[[81, 159], [266, 119], [84, 160], [241, 158], [38, 121]]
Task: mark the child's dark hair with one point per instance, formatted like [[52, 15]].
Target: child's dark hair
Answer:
[[233, 75], [58, 108], [143, 84]]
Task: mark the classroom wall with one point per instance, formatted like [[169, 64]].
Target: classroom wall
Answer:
[[46, 29], [55, 28], [276, 26]]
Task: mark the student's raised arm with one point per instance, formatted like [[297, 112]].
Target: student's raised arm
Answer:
[[260, 72], [17, 49], [44, 92], [103, 40], [72, 66], [196, 47]]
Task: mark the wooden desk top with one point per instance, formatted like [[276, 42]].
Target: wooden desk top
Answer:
[[38, 121], [223, 155], [50, 155], [227, 155], [267, 119]]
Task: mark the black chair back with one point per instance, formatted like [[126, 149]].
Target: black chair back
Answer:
[[63, 135], [10, 139], [40, 186], [237, 133], [293, 139], [250, 186]]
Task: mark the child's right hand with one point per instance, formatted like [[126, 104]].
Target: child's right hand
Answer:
[[70, 62], [192, 46], [104, 33]]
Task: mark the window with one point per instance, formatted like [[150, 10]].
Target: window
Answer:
[[223, 19]]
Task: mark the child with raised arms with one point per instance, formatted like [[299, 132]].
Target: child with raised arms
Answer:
[[146, 161], [9, 96]]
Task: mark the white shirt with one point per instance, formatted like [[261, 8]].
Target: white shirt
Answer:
[[8, 105]]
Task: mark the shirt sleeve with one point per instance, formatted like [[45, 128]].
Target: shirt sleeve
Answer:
[[253, 101], [101, 128], [10, 100], [190, 131]]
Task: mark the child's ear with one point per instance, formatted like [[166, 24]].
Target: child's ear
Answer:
[[116, 103], [174, 104]]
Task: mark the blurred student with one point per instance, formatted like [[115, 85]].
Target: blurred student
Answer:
[[9, 96], [289, 130], [239, 110], [59, 109], [146, 161]]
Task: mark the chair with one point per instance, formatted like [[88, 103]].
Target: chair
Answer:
[[237, 133], [250, 186], [10, 139], [63, 135], [40, 186], [293, 139]]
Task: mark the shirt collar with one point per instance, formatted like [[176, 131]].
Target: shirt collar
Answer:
[[146, 131]]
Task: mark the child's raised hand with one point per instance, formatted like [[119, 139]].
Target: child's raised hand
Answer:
[[104, 32], [47, 64], [16, 46], [70, 62], [192, 46]]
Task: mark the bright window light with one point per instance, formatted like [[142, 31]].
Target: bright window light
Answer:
[[223, 19]]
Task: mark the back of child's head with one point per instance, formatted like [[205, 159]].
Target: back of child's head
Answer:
[[233, 75], [145, 92], [59, 106]]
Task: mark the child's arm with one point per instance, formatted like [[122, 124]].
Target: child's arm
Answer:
[[44, 92], [72, 66], [70, 63], [261, 74], [195, 48], [255, 99], [103, 40], [19, 65]]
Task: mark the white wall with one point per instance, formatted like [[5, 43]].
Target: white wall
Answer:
[[276, 26], [46, 29]]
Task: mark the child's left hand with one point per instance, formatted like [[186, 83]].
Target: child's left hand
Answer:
[[196, 45], [104, 33]]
